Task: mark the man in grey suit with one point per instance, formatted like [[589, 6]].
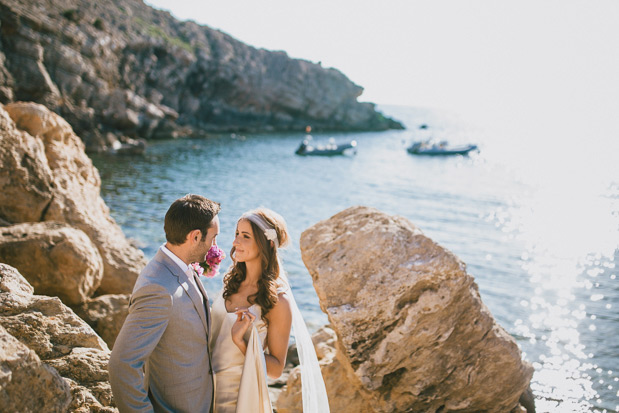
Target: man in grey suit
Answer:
[[161, 361]]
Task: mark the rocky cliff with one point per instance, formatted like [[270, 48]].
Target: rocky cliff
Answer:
[[121, 68]]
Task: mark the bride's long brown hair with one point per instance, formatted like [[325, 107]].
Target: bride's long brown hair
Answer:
[[266, 297]]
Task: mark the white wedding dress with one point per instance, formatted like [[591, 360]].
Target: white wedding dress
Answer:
[[240, 380]]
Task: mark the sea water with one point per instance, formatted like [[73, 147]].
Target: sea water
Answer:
[[536, 221]]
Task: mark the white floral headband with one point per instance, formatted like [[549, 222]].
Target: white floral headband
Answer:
[[269, 232]]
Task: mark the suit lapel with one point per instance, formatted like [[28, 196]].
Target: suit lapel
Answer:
[[196, 299], [183, 281]]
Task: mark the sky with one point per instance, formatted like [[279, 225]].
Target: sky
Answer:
[[523, 65]]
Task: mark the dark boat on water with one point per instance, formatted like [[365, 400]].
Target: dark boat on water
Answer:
[[439, 149], [307, 148]]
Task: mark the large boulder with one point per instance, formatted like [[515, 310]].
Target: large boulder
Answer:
[[27, 384], [59, 338], [56, 259], [412, 331], [45, 161], [105, 314]]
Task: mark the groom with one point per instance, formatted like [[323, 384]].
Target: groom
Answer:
[[161, 361]]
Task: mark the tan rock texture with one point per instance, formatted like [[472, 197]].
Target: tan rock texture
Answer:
[[27, 384], [105, 314], [412, 331], [56, 259], [338, 376], [86, 372], [59, 338], [26, 182], [42, 161]]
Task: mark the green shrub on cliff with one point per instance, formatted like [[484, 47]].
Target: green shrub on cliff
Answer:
[[157, 32], [98, 24], [71, 15]]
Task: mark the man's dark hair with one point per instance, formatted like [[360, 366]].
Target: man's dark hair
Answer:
[[186, 214]]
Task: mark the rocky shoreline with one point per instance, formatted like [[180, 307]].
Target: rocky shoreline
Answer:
[[119, 70], [408, 332]]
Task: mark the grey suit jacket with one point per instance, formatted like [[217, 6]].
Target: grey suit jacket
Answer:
[[160, 361]]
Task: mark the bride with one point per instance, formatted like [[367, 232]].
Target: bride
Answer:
[[252, 319]]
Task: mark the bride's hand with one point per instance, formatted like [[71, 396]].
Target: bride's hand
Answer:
[[244, 319]]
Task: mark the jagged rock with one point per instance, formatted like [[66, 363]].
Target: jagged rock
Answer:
[[27, 69], [86, 369], [13, 283], [27, 384], [343, 396], [56, 259], [412, 331], [84, 400], [26, 183], [122, 66], [44, 324], [291, 393], [59, 338], [323, 340], [70, 192], [105, 314]]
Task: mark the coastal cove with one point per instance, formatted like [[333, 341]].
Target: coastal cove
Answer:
[[557, 298]]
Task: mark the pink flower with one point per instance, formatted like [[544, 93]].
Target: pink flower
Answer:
[[210, 265], [215, 255], [197, 268]]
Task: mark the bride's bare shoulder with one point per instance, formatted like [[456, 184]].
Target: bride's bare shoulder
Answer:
[[282, 310]]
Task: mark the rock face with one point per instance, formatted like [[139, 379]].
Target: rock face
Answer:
[[45, 175], [26, 384], [120, 66], [26, 181], [56, 259], [105, 314], [339, 378], [60, 339], [412, 331]]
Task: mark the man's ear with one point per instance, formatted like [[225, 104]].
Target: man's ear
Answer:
[[194, 236]]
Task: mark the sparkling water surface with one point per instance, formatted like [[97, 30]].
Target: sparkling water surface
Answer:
[[539, 230]]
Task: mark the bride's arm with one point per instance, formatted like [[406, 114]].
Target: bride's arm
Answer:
[[278, 335]]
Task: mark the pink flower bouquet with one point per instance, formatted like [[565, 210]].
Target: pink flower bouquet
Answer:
[[210, 266]]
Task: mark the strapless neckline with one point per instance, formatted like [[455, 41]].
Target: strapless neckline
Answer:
[[232, 312]]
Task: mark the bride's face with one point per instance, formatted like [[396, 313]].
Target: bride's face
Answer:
[[246, 248]]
